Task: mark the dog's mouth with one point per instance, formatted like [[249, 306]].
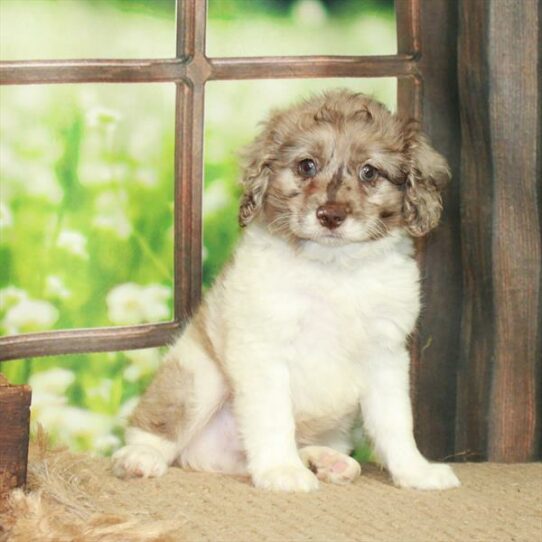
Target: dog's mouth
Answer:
[[334, 234], [321, 235], [333, 239], [329, 238]]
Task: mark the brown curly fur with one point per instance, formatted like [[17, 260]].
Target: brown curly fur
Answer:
[[415, 169]]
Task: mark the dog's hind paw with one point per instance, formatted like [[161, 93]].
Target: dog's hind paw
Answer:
[[138, 461]]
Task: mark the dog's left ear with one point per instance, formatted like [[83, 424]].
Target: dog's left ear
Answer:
[[427, 174], [256, 175]]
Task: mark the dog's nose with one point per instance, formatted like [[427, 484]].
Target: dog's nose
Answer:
[[331, 215]]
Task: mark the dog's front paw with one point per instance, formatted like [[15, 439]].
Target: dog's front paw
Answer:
[[427, 476], [138, 460], [330, 465], [286, 478]]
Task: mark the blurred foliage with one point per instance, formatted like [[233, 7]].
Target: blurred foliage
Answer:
[[86, 179]]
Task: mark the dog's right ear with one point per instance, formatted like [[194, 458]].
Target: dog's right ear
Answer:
[[256, 175]]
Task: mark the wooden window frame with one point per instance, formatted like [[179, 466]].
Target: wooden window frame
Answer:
[[190, 70], [425, 68]]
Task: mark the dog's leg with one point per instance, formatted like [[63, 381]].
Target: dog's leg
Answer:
[[329, 465], [264, 413], [184, 395], [387, 415]]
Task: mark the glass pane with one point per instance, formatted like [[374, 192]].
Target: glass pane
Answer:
[[301, 27], [48, 29], [227, 131], [83, 400], [86, 205]]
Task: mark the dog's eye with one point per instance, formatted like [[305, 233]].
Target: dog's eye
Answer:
[[307, 168], [368, 173]]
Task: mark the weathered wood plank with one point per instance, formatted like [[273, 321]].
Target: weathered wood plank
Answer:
[[103, 339], [498, 409], [14, 433], [434, 368], [477, 344], [517, 245]]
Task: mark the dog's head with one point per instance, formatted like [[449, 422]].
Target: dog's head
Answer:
[[340, 168]]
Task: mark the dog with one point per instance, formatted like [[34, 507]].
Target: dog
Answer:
[[304, 333]]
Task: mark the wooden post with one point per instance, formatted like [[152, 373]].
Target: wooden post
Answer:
[[14, 432], [428, 29], [499, 380]]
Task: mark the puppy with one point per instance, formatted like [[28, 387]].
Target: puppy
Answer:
[[305, 331]]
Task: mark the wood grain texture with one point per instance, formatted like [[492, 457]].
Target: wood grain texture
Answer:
[[434, 364], [407, 16], [476, 232], [14, 433], [189, 120], [499, 398], [198, 68], [104, 339], [516, 243]]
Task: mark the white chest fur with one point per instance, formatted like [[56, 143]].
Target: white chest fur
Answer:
[[317, 310]]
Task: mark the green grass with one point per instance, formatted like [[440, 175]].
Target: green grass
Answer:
[[86, 185]]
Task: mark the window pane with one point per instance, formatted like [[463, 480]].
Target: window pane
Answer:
[[47, 29], [86, 191], [227, 131], [301, 27], [84, 400]]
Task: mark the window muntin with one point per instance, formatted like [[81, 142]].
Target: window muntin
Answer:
[[190, 71]]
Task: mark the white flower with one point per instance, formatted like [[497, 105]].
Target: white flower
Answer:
[[71, 423], [125, 304], [118, 223], [102, 390], [131, 303], [147, 359], [44, 399], [55, 287], [30, 315], [309, 12], [112, 215], [54, 382], [216, 197], [132, 373], [155, 298], [6, 218], [73, 242], [11, 295]]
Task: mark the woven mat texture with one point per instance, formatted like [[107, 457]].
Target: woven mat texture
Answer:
[[495, 503]]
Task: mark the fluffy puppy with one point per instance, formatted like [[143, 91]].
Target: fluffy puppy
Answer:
[[304, 332]]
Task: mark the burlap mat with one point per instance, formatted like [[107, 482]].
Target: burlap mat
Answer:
[[75, 498]]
